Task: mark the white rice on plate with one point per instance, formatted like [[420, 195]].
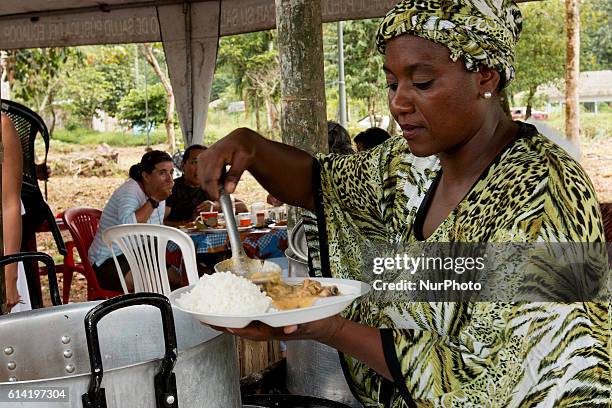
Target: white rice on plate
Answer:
[[225, 293]]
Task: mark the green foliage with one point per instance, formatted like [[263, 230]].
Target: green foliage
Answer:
[[365, 79], [132, 107], [592, 126], [595, 35], [85, 91], [38, 73], [114, 63], [540, 52], [83, 136], [249, 62]]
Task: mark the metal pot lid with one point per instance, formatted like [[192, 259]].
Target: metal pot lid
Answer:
[[297, 241]]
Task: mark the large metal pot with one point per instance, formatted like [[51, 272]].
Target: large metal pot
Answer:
[[124, 339], [314, 368]]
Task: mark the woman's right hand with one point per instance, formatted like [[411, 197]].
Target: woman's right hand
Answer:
[[239, 149], [283, 170]]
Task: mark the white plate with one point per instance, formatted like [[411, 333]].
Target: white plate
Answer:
[[322, 308]]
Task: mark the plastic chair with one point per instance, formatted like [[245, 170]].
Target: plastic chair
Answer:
[[144, 246], [82, 222]]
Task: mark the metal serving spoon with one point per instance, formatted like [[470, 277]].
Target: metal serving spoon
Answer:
[[241, 264]]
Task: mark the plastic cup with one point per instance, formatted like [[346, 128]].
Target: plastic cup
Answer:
[[210, 218]]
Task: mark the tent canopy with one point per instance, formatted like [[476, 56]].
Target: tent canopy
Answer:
[[189, 31]]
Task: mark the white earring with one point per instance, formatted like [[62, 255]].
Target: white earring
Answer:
[[487, 95]]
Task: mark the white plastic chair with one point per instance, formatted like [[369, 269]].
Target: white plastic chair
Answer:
[[144, 246]]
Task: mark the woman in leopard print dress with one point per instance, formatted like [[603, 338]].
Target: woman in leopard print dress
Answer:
[[463, 172]]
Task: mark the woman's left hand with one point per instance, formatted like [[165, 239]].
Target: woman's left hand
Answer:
[[320, 330]]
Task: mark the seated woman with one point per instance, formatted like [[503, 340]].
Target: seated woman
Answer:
[[463, 172], [17, 296], [141, 199], [187, 199]]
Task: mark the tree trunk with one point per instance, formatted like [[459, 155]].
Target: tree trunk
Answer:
[[300, 44], [257, 108], [572, 72], [53, 119], [300, 49], [530, 96], [170, 122], [170, 106], [271, 113]]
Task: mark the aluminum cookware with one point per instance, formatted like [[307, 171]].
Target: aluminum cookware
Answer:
[[313, 368], [118, 353]]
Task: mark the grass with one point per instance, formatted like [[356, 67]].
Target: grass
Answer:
[[120, 139], [592, 126]]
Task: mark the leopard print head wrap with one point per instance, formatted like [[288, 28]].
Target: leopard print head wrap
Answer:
[[479, 31]]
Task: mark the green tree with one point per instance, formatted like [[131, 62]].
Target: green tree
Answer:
[[153, 53], [252, 61], [85, 91], [596, 35], [363, 65], [540, 52], [114, 63], [132, 108], [36, 75], [330, 55]]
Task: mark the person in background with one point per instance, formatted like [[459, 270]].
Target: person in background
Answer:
[[188, 199], [17, 295], [141, 199], [370, 138], [338, 139]]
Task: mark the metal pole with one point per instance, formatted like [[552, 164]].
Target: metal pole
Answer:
[[147, 107], [341, 84]]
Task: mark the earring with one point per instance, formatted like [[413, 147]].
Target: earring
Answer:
[[487, 95]]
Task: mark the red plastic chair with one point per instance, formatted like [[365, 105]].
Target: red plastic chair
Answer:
[[83, 223]]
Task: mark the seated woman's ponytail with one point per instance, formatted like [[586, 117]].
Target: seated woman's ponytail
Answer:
[[136, 172]]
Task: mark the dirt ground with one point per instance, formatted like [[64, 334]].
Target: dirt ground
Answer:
[[69, 191]]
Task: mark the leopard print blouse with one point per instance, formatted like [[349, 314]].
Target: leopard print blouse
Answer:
[[468, 354]]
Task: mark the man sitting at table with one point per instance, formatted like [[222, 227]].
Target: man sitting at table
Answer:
[[188, 199]]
